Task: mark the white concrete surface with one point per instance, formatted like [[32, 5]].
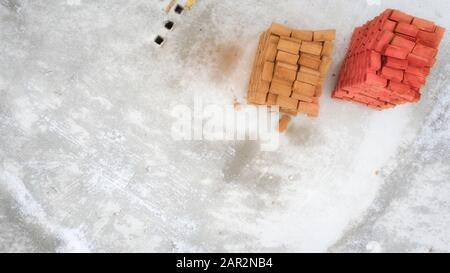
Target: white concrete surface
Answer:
[[87, 162]]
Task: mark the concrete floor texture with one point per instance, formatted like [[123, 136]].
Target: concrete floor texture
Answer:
[[88, 164]]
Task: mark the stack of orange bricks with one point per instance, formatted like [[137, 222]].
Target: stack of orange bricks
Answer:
[[388, 60], [289, 69]]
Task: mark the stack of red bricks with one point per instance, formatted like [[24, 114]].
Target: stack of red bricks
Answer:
[[389, 60], [289, 69]]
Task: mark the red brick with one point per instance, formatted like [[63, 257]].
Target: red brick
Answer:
[[401, 17], [375, 60], [397, 70], [396, 52], [396, 63], [338, 94], [374, 79], [389, 25], [425, 51], [392, 74], [363, 99], [402, 90], [407, 29], [418, 71], [385, 38], [409, 38], [414, 80], [417, 96], [403, 42], [418, 61], [423, 24], [429, 38]]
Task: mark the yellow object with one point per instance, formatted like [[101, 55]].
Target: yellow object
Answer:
[[190, 3]]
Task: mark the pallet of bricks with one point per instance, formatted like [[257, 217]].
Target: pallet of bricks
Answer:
[[388, 60], [289, 69]]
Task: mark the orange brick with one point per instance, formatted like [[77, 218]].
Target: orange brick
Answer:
[[289, 46], [310, 109], [271, 52], [309, 60], [319, 90], [306, 77], [287, 102], [280, 30], [286, 71], [288, 111], [328, 47], [303, 35], [288, 66], [308, 70], [324, 35], [260, 98], [271, 99], [305, 89], [325, 65], [263, 87], [301, 97], [274, 39], [283, 123], [267, 73], [287, 57], [314, 48], [280, 87]]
